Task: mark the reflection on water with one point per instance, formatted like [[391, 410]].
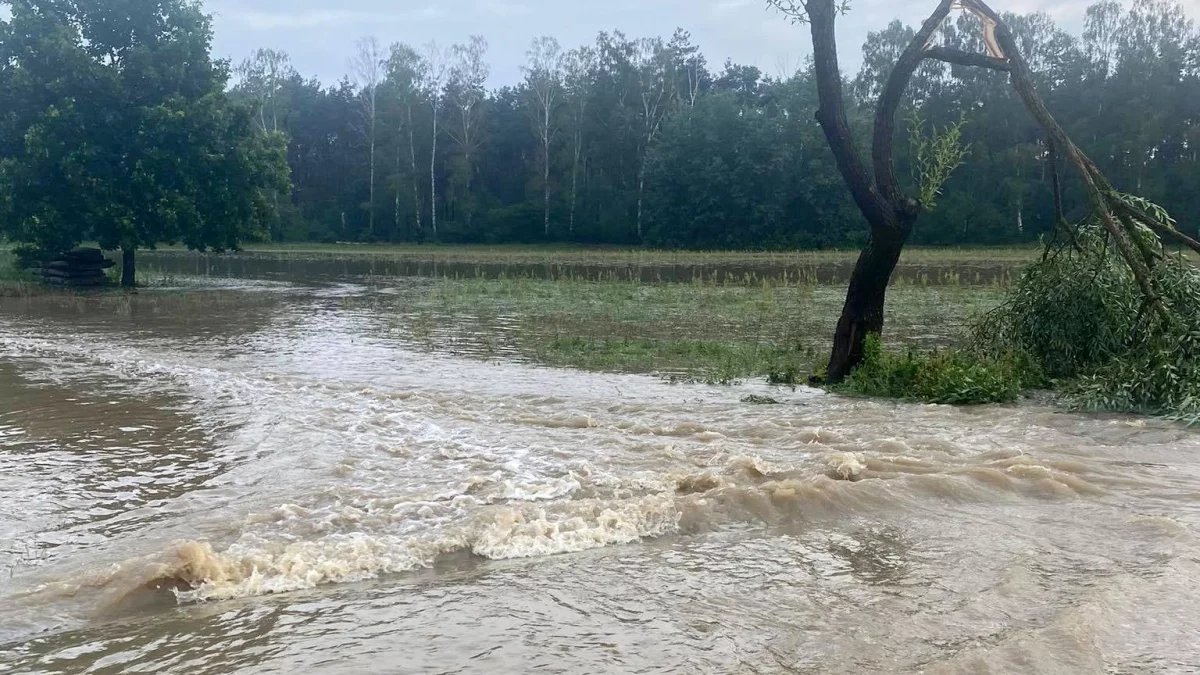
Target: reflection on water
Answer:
[[262, 480], [136, 457]]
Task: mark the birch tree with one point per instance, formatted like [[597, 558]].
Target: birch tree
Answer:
[[406, 70], [655, 73], [367, 66], [263, 75], [433, 83], [689, 66], [468, 75], [578, 67], [544, 81]]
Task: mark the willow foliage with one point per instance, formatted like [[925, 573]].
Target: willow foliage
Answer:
[[1079, 317]]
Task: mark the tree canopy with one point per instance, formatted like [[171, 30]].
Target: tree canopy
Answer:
[[119, 129], [116, 128], [729, 156]]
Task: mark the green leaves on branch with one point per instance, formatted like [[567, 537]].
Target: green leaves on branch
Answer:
[[934, 156], [118, 130], [1080, 316], [1146, 206], [797, 10]]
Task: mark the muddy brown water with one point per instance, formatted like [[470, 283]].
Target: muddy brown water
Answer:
[[268, 484]]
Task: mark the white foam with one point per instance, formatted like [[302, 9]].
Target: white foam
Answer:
[[847, 465]]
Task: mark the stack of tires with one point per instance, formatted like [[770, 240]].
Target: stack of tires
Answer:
[[80, 267]]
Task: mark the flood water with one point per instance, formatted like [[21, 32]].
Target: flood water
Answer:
[[264, 480]]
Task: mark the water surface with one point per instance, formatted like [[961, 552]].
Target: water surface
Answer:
[[263, 480]]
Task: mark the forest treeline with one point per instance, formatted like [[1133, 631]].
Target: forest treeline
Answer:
[[641, 141]]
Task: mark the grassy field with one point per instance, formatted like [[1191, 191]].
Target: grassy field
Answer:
[[564, 254], [309, 262], [719, 327], [704, 332]]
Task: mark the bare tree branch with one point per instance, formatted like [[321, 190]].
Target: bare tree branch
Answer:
[[1060, 219], [1094, 181], [889, 100]]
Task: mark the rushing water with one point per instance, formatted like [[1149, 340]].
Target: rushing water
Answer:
[[269, 482]]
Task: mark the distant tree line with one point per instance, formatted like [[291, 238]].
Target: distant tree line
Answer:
[[116, 126], [640, 141]]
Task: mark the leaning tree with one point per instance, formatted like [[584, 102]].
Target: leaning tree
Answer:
[[891, 213]]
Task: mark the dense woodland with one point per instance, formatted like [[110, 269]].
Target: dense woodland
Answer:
[[629, 141], [641, 141]]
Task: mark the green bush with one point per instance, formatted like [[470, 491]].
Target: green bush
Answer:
[[953, 376]]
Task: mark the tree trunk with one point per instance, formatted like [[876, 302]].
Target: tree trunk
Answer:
[[433, 179], [467, 187], [278, 220], [412, 155], [128, 271], [889, 213], [863, 312], [396, 214], [371, 198], [641, 187], [574, 188], [546, 176]]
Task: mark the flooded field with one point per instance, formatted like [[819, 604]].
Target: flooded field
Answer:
[[289, 474], [922, 267]]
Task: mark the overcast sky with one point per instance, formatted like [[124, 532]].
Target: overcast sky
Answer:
[[319, 35]]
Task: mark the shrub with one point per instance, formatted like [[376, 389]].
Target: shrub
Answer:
[[953, 376], [1079, 316]]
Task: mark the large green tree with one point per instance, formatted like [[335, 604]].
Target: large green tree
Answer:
[[119, 130]]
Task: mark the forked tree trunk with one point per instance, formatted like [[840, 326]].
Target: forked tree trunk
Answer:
[[891, 215], [128, 267]]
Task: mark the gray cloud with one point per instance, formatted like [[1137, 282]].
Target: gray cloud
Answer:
[[320, 35]]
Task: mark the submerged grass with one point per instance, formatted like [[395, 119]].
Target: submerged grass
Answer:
[[719, 328], [566, 254], [696, 331], [14, 281]]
